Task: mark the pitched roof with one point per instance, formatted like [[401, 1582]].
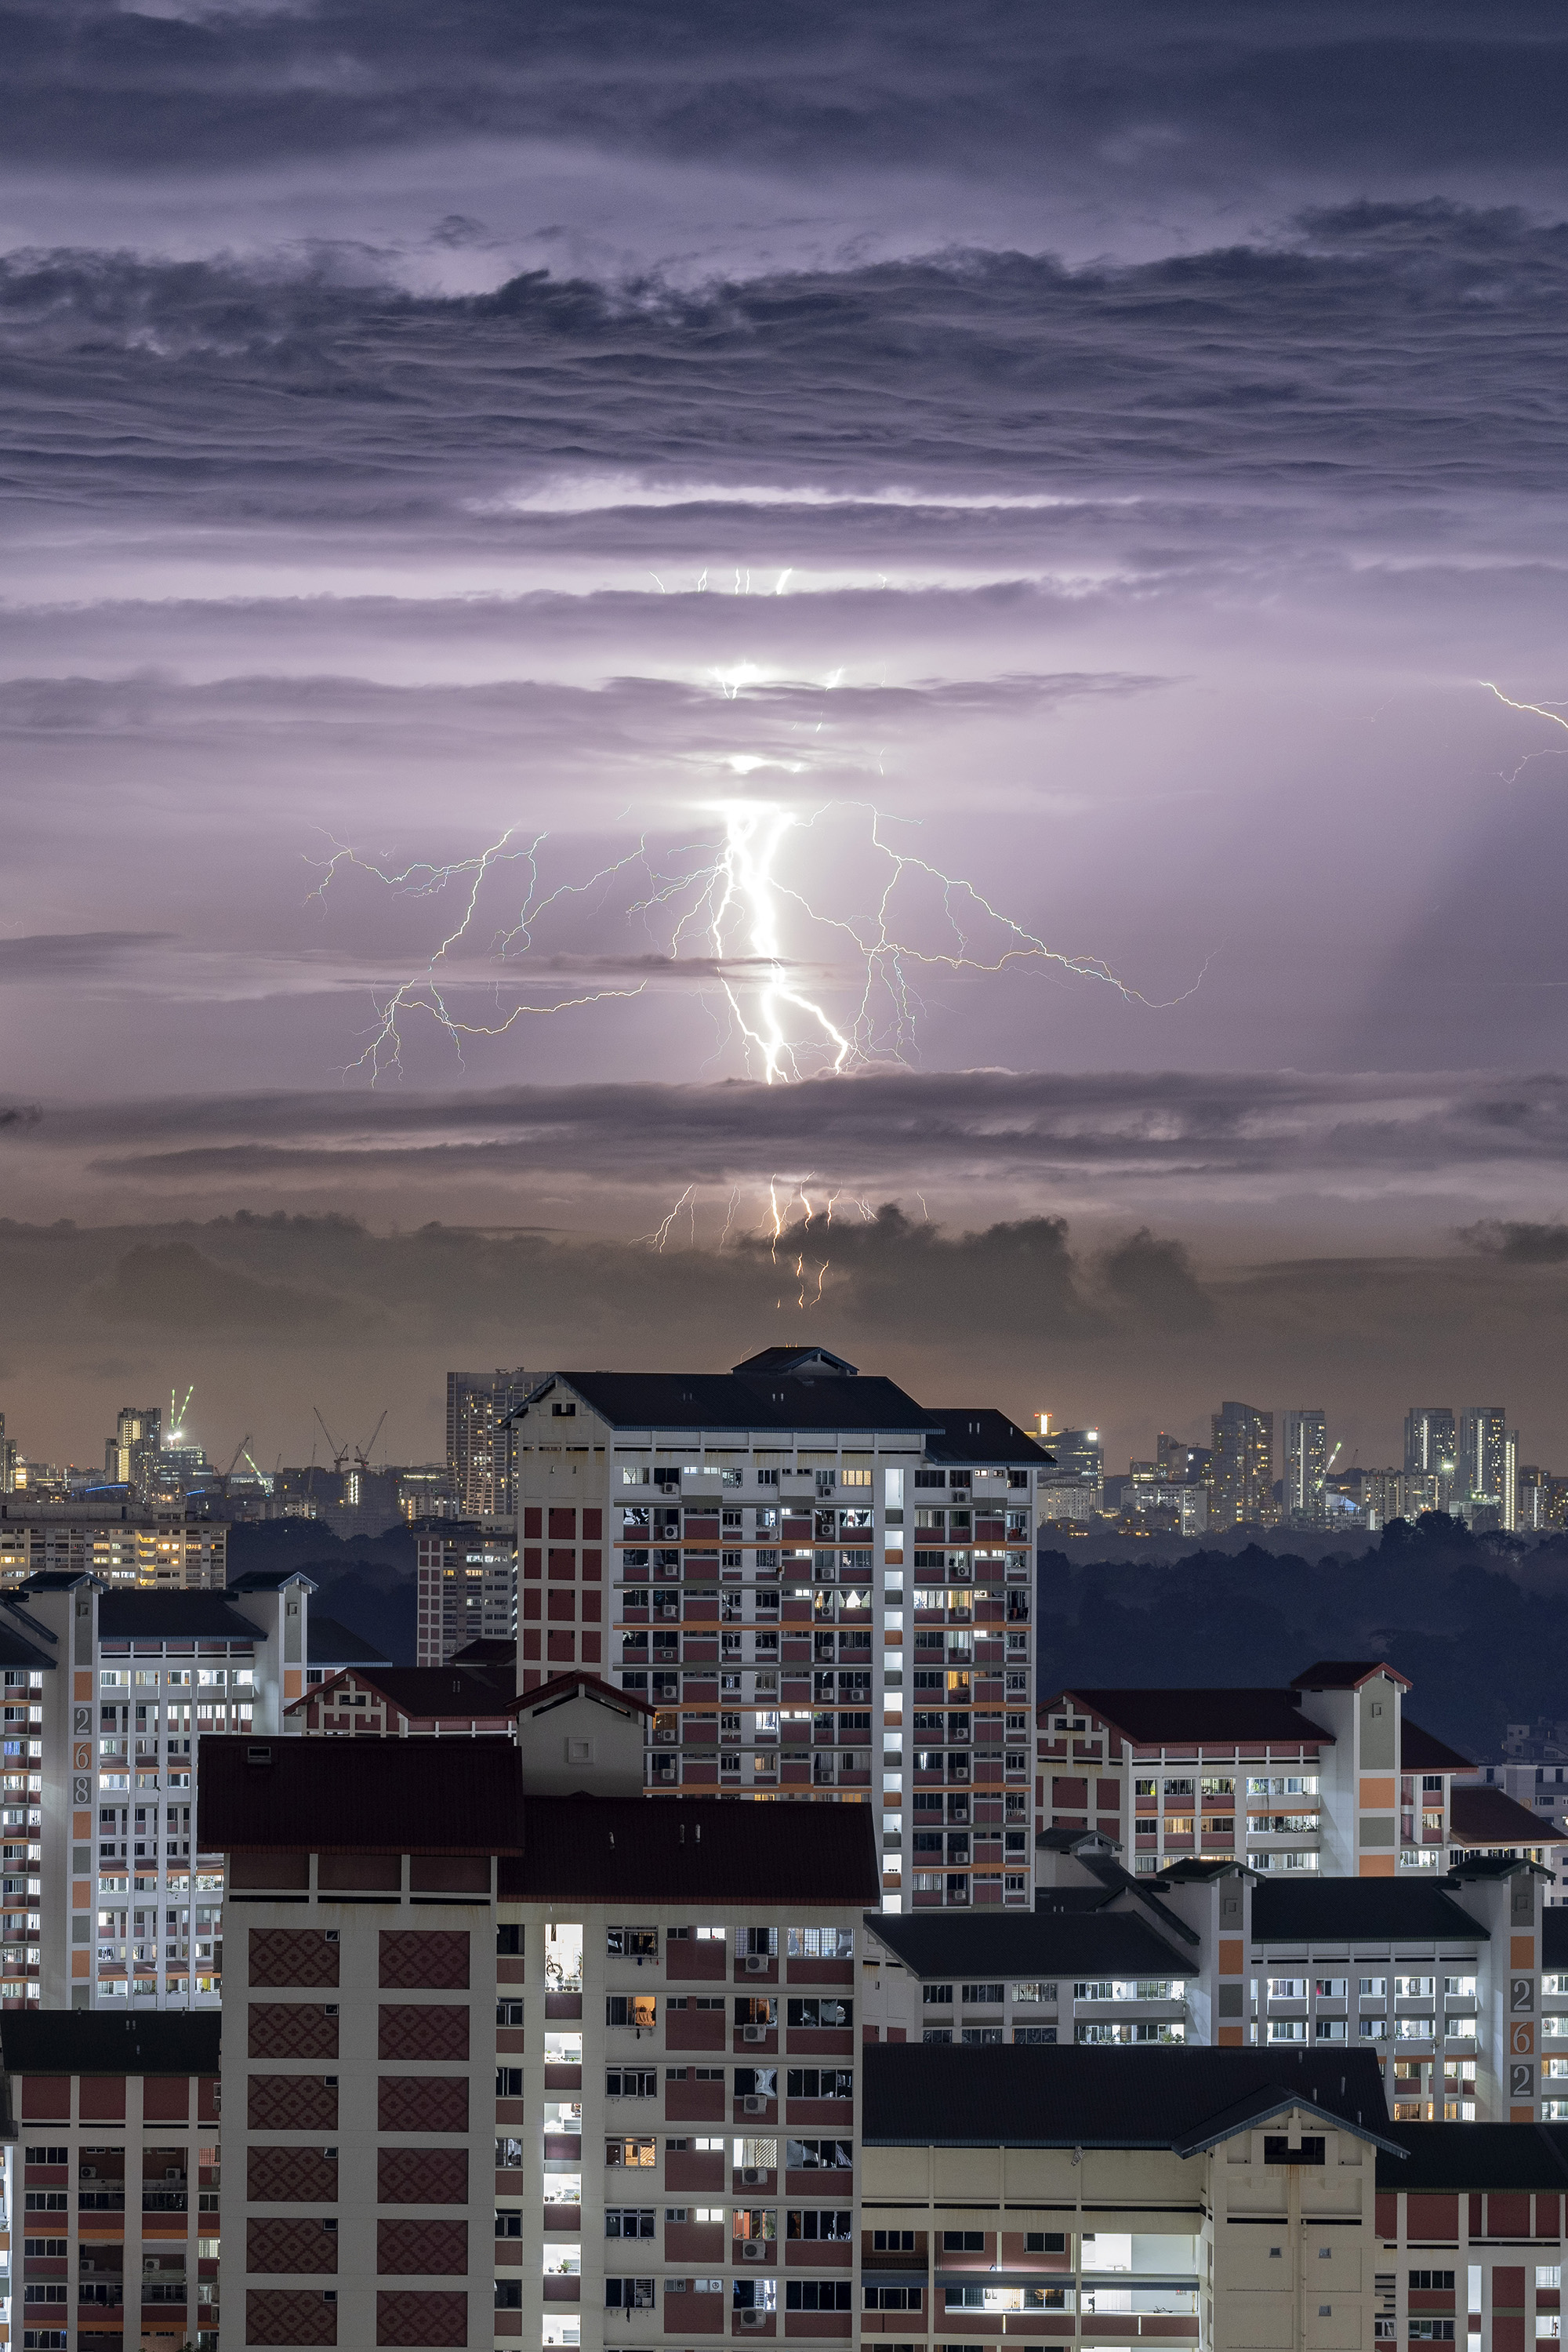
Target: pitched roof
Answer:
[[1025, 1944], [330, 1642], [23, 1640], [736, 1400], [1482, 1816], [563, 1686], [171, 1616], [270, 1580], [783, 1362], [423, 1693], [1304, 1910], [88, 2042], [1186, 1718], [1420, 1752], [1476, 2156], [370, 1795], [1346, 1674], [924, 2095], [485, 1652], [693, 1849], [977, 1434]]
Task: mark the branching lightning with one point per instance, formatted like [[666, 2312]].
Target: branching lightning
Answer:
[[716, 911]]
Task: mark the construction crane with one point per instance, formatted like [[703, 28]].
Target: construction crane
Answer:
[[340, 1452], [362, 1453], [224, 1475]]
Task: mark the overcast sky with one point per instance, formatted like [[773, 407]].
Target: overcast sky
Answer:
[[1070, 488]]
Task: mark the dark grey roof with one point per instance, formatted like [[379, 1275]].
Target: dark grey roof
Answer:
[[56, 1579], [1025, 1944], [333, 1643], [1186, 1718], [690, 1849], [86, 2041], [1422, 1751], [23, 1640], [1074, 1899], [1476, 2156], [172, 1616], [736, 1400], [1111, 1875], [1554, 1936], [269, 1580], [772, 1362], [977, 1434], [923, 2095], [1302, 1910], [427, 1692]]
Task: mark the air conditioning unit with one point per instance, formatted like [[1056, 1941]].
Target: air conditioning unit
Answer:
[[754, 2033], [750, 2252], [757, 1964], [752, 2105], [753, 2176], [754, 2318]]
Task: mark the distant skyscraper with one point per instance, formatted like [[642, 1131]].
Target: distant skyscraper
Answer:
[[480, 1452], [1079, 1458], [1182, 1464], [131, 1455], [1305, 1465], [1431, 1449], [1241, 1473], [1480, 1466]]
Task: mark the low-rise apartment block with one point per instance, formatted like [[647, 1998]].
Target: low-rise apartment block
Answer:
[[111, 2180], [121, 1543], [1328, 1775], [507, 2062], [1205, 2197], [1458, 1986], [823, 1588]]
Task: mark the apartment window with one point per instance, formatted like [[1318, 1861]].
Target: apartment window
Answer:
[[509, 2224], [632, 1943], [982, 1995], [836, 2223], [818, 2295], [509, 2082], [1044, 2241], [1432, 2282], [883, 2241], [937, 1996], [636, 2009], [629, 2294], [631, 2082], [630, 2220]]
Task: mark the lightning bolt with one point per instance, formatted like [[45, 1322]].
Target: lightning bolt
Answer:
[[723, 903]]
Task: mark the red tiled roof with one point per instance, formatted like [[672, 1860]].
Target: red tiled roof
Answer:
[[1482, 1816], [560, 1687], [1346, 1674]]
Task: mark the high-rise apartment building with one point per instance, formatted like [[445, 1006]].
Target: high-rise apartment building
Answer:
[[1241, 1471], [1432, 1452], [467, 1588], [1480, 1469], [1306, 1463], [479, 1443], [131, 1457], [823, 1588], [107, 1901]]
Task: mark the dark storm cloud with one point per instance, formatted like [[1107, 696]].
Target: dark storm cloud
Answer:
[[1517, 1243], [43, 956], [172, 1286], [1185, 1128], [1156, 1279], [1385, 349], [995, 86]]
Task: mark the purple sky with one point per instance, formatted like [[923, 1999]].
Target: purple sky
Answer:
[[1099, 455]]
